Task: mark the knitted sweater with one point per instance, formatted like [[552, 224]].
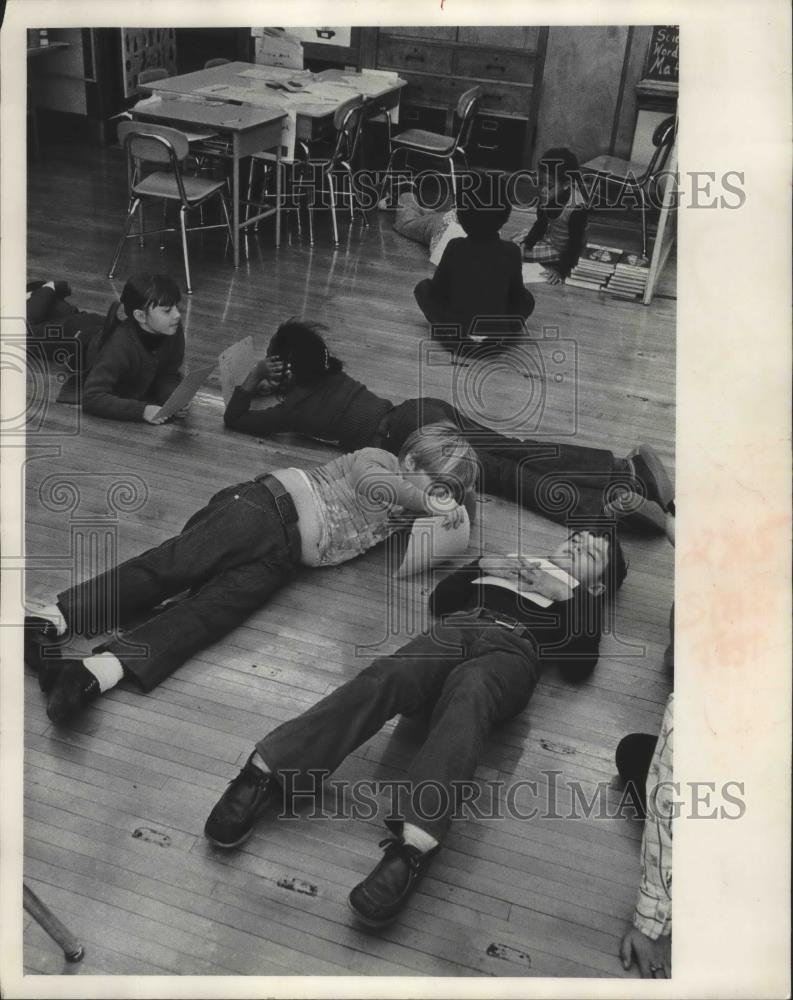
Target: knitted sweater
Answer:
[[339, 411], [132, 371]]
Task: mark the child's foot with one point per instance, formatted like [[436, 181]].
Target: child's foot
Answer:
[[74, 688]]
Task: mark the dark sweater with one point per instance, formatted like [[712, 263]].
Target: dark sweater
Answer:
[[479, 278], [339, 410], [569, 257], [567, 632], [132, 370]]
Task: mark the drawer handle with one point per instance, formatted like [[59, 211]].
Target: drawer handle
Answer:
[[480, 145], [496, 66]]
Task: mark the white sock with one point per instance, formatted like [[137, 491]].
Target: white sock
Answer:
[[418, 838], [106, 668], [259, 762], [53, 614]]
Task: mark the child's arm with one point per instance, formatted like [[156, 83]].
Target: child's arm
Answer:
[[379, 484], [538, 230], [100, 397], [262, 422], [568, 258], [169, 377]]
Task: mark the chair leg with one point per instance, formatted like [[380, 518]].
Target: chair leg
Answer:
[[183, 228], [140, 223], [127, 226], [644, 222], [387, 174], [454, 179], [226, 215], [164, 223], [332, 191], [73, 951]]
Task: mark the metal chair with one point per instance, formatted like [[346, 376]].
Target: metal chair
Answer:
[[636, 178], [151, 76], [435, 145], [347, 124], [212, 63], [156, 144]]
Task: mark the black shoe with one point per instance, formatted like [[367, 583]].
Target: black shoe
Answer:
[[234, 816], [40, 633], [652, 474], [74, 688], [379, 898]]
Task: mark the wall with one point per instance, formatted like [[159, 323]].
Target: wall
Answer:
[[58, 77], [588, 97]]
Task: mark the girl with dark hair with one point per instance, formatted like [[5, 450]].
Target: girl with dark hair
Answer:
[[558, 236], [318, 399], [133, 367]]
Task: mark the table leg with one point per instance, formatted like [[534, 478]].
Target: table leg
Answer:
[[235, 189]]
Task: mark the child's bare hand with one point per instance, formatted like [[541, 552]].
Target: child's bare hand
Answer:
[[453, 519], [554, 278], [273, 370], [150, 415]]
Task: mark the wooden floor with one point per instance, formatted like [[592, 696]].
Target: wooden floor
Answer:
[[115, 803]]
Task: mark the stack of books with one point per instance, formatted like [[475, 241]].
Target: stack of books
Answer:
[[630, 277], [595, 266]]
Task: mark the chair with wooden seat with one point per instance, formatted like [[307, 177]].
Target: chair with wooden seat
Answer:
[[636, 178], [219, 61], [159, 146], [151, 75], [435, 145]]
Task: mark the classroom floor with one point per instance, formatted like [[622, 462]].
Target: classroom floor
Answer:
[[115, 803]]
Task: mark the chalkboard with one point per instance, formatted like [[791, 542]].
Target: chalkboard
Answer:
[[662, 54]]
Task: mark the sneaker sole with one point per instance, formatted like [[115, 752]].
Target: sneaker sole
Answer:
[[369, 921], [658, 471]]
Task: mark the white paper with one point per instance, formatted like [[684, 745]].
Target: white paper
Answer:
[[235, 363], [534, 273], [184, 392], [545, 564], [453, 231]]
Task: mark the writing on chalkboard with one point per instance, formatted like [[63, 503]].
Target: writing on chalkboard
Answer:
[[663, 54]]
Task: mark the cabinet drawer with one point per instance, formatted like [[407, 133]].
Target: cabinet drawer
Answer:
[[437, 34], [416, 116], [424, 89], [399, 53], [496, 142], [506, 36], [508, 66], [514, 99]]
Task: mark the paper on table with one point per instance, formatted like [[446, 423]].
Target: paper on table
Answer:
[[532, 273], [235, 363], [184, 392], [275, 73], [551, 568]]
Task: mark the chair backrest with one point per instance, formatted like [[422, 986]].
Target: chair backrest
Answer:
[[211, 63], [347, 122], [467, 107], [663, 138], [153, 143], [152, 75]]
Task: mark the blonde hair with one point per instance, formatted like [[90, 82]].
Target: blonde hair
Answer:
[[443, 453]]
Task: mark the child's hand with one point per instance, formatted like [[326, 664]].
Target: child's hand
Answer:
[[150, 415], [453, 519], [273, 370], [181, 414], [554, 278]]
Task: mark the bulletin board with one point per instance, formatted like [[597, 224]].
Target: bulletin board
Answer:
[[145, 48]]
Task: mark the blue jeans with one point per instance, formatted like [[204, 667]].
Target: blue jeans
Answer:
[[231, 556], [468, 674]]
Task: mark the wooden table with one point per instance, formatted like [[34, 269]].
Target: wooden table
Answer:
[[227, 83], [251, 129]]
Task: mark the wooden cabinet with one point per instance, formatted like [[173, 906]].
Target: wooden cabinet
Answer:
[[440, 63]]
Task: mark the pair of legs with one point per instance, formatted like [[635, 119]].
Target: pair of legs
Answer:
[[556, 480], [230, 557], [468, 674]]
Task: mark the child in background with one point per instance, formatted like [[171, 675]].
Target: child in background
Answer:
[[132, 370], [558, 236], [233, 554], [478, 285]]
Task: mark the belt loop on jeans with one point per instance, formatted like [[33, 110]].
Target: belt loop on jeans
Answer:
[[287, 511]]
